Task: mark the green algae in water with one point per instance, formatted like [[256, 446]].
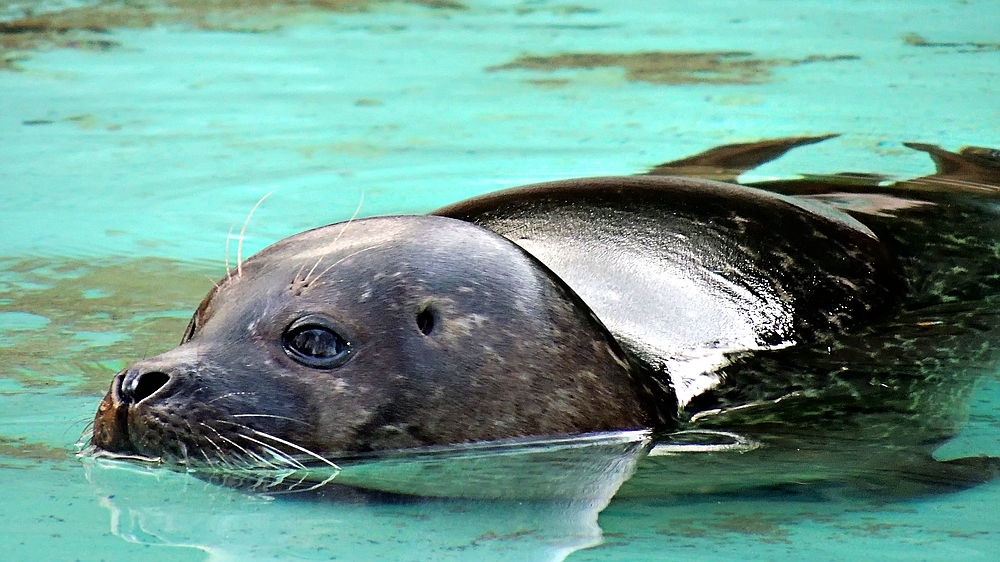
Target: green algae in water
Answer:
[[89, 27], [28, 454], [670, 68], [73, 323]]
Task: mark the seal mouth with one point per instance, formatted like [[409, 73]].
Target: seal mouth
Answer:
[[93, 452]]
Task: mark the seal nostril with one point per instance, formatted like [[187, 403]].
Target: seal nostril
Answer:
[[137, 388], [425, 321]]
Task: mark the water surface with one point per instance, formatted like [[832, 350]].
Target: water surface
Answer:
[[135, 138]]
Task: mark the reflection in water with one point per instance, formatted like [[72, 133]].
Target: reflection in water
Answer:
[[542, 499]]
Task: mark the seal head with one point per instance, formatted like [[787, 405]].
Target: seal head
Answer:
[[383, 333]]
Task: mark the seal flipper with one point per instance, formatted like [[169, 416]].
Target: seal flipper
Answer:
[[946, 162], [973, 169], [727, 162], [987, 156]]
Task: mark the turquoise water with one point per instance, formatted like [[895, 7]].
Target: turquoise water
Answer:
[[130, 151]]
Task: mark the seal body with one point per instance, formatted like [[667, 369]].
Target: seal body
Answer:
[[687, 272], [838, 322]]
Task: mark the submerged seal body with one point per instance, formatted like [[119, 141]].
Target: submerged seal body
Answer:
[[824, 314]]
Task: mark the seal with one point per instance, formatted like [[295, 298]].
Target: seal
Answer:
[[833, 310]]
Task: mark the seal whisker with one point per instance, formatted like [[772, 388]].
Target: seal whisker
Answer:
[[266, 482], [222, 463], [307, 424], [279, 455], [207, 458], [186, 459], [234, 444], [336, 239], [276, 453], [239, 246], [284, 457], [224, 458], [338, 262], [309, 489], [227, 395], [86, 437], [291, 489], [200, 450], [296, 447], [288, 488], [350, 220], [89, 421], [298, 274], [312, 269], [229, 236]]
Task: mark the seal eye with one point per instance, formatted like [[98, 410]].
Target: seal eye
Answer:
[[313, 342]]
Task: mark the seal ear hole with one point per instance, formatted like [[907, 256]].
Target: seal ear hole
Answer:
[[426, 321]]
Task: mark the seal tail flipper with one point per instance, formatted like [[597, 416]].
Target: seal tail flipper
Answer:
[[727, 162]]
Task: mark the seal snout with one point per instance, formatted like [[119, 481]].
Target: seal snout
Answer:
[[114, 423], [111, 421]]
